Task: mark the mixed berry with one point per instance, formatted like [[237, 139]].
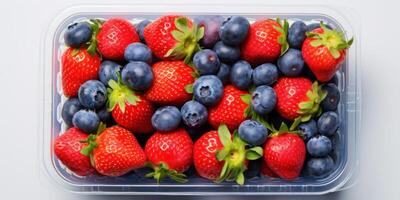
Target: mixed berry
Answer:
[[230, 98]]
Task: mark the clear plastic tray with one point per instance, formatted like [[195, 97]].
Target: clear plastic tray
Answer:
[[349, 109]]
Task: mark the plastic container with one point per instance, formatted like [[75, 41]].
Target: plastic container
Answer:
[[349, 109]]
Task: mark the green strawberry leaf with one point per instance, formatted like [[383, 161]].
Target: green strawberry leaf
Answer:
[[240, 179], [246, 98], [254, 153], [189, 88], [224, 135]]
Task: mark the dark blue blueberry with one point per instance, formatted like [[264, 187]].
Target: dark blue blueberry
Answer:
[[335, 79], [78, 34], [208, 90], [140, 28], [234, 30], [70, 107], [105, 116], [137, 75], [297, 34], [226, 53], [109, 70], [223, 73], [211, 24], [328, 123], [319, 146], [206, 62], [263, 99], [253, 132], [196, 133], [92, 94], [166, 118], [313, 26], [320, 166], [331, 101], [86, 120], [291, 63], [194, 114], [253, 170], [241, 74], [309, 129], [265, 74], [138, 52]]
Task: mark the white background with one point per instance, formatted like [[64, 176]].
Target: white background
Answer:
[[23, 22]]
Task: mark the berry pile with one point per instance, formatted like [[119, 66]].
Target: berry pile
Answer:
[[234, 99]]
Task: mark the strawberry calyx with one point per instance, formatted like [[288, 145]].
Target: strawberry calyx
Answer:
[[187, 40], [234, 154], [246, 98], [91, 45], [283, 29], [283, 129], [333, 40], [311, 107], [162, 171], [119, 94], [91, 141]]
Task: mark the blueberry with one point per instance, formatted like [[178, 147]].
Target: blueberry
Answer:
[[70, 107], [313, 26], [320, 166], [166, 118], [223, 73], [291, 63], [226, 53], [263, 99], [297, 34], [328, 123], [308, 129], [137, 75], [196, 133], [211, 24], [331, 101], [265, 74], [78, 34], [206, 62], [86, 120], [253, 169], [241, 73], [92, 94], [335, 79], [234, 30], [252, 132], [194, 114], [140, 28], [138, 52], [208, 90], [105, 116], [319, 146], [109, 70]]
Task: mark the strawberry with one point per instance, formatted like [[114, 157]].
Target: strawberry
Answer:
[[298, 99], [266, 171], [218, 157], [169, 154], [170, 80], [78, 66], [285, 152], [231, 110], [114, 36], [266, 40], [324, 50], [67, 148], [173, 37], [114, 152], [129, 110]]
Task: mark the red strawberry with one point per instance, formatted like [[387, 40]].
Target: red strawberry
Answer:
[[284, 153], [230, 110], [170, 80], [266, 171], [114, 36], [129, 110], [324, 50], [266, 40], [78, 66], [218, 157], [115, 152], [67, 148], [173, 37], [298, 99], [170, 154]]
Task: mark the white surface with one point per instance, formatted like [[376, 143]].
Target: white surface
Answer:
[[23, 23]]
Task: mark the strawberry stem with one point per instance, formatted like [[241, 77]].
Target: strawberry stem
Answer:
[[162, 171]]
